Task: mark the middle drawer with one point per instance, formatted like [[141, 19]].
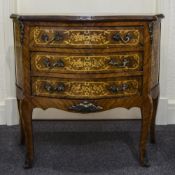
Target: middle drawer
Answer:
[[42, 62]]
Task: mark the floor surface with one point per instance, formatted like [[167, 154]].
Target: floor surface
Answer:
[[87, 148]]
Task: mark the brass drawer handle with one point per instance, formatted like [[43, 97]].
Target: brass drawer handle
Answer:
[[45, 37], [60, 87], [85, 107], [125, 63], [51, 65], [117, 89], [57, 37], [125, 39]]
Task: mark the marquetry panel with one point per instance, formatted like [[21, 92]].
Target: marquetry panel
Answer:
[[87, 89], [86, 37], [48, 62]]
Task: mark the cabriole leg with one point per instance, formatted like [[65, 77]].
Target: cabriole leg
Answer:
[[26, 109], [146, 111]]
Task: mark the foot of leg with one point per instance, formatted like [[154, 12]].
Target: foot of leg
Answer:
[[28, 164]]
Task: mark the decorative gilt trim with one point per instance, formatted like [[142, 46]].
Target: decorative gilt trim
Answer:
[[85, 107], [21, 27], [151, 31]]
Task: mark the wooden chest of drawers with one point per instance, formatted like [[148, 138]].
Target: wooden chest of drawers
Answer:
[[87, 64]]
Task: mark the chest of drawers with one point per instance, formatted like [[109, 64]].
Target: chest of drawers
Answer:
[[87, 64]]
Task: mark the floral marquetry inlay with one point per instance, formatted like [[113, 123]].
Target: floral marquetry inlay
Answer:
[[88, 37], [85, 89], [55, 37], [109, 63]]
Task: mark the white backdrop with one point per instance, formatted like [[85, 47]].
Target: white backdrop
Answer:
[[8, 109], [86, 6]]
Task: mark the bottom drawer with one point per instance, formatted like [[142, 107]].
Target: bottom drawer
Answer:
[[86, 89]]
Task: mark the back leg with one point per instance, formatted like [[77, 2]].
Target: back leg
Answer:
[[22, 135]]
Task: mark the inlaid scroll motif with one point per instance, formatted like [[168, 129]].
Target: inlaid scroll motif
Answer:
[[56, 37], [81, 89], [87, 37], [54, 63]]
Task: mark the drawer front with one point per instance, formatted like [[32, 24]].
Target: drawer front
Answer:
[[56, 63], [85, 89], [86, 37]]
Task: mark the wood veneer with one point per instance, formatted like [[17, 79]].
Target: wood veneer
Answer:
[[87, 64]]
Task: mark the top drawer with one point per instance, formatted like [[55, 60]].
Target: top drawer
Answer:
[[86, 37]]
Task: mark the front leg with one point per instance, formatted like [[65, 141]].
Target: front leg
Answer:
[[26, 110], [146, 110]]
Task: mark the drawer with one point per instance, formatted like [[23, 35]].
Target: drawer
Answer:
[[86, 89], [57, 63], [86, 37]]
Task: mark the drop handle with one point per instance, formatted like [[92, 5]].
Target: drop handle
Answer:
[[117, 89], [119, 64], [55, 64], [60, 87], [48, 87], [57, 37], [47, 62], [45, 37], [125, 39], [58, 63]]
